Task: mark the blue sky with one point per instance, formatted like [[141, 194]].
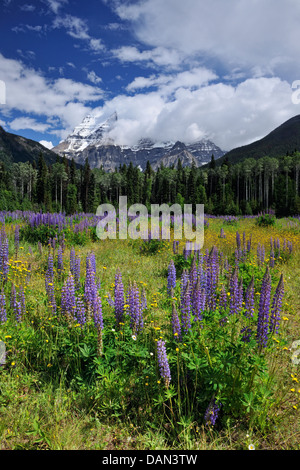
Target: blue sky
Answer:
[[171, 69]]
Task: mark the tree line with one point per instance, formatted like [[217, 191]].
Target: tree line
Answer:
[[243, 188]]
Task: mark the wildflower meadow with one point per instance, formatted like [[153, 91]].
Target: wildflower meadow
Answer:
[[143, 344]]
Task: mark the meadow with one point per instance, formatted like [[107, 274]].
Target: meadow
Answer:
[[133, 344]]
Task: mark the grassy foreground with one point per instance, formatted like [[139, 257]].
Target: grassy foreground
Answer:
[[57, 392]]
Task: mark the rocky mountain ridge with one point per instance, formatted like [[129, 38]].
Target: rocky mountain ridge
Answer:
[[91, 140]]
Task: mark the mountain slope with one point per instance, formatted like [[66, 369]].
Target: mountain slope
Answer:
[[283, 139], [15, 148]]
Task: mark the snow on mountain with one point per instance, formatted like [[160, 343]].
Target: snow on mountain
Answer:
[[91, 139]]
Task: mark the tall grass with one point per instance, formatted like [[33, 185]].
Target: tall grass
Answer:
[[213, 386]]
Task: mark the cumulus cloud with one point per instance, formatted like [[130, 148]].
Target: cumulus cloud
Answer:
[[248, 33], [229, 115], [28, 123], [93, 77], [158, 56], [30, 92]]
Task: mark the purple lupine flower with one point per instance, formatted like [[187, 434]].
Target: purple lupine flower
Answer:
[[68, 299], [249, 299], [246, 333], [212, 412], [77, 272], [80, 311], [223, 298], [90, 287], [4, 255], [186, 309], [212, 275], [264, 311], [135, 310], [176, 327], [3, 316], [201, 273], [92, 259], [119, 303], [198, 301], [50, 269], [18, 312], [183, 283], [163, 363], [171, 278], [237, 257], [276, 306], [97, 312], [193, 274]]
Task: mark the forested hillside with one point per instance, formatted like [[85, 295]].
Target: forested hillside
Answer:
[[246, 187]]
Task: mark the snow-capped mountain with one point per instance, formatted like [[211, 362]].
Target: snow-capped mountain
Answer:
[[89, 132], [91, 140]]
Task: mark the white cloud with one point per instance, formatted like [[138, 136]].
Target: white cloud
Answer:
[[229, 115], [93, 77], [243, 33], [159, 56], [56, 5], [76, 27], [96, 45], [27, 7], [28, 123], [194, 78], [29, 92]]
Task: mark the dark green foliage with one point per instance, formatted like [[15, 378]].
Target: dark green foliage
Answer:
[[248, 187]]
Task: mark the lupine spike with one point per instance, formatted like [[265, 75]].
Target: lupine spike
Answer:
[[163, 363], [276, 306], [119, 303], [186, 309], [176, 327], [264, 311], [171, 278], [3, 316]]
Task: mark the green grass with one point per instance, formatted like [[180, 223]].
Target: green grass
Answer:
[[53, 396]]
